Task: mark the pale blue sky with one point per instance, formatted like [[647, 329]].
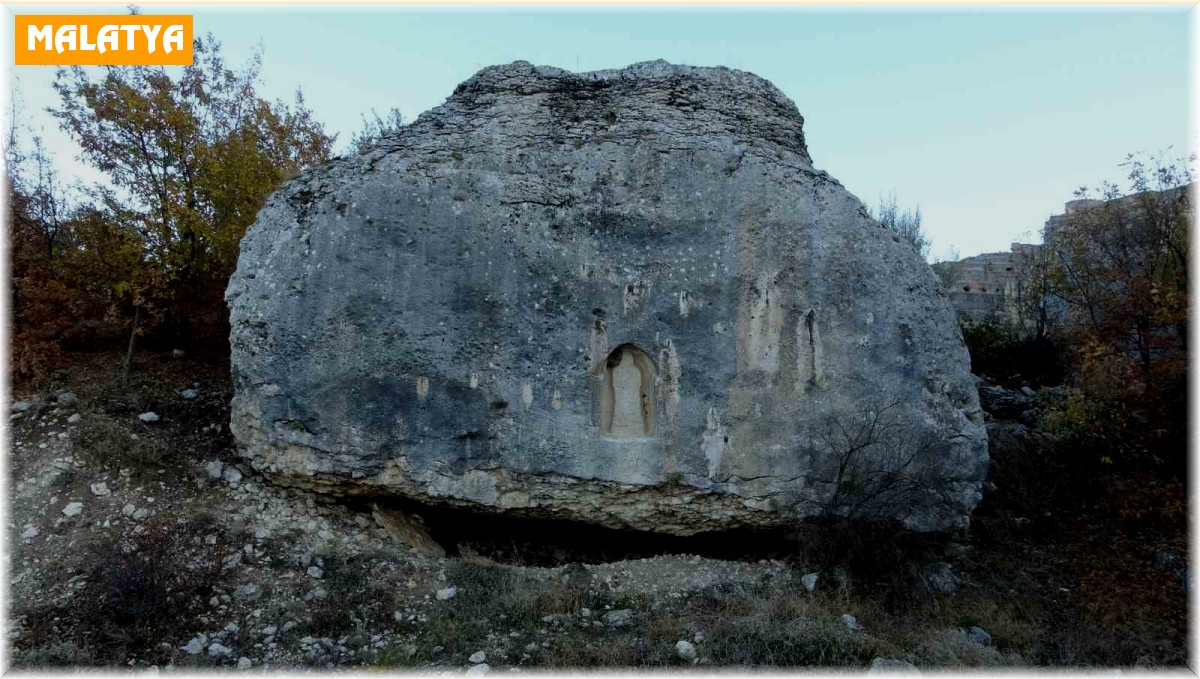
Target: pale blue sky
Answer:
[[989, 118]]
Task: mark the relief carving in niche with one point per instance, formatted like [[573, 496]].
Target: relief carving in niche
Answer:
[[627, 394]]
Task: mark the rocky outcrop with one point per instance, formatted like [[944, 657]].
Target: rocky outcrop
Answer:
[[624, 297]]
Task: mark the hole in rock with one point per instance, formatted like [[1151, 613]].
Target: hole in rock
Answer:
[[526, 541]]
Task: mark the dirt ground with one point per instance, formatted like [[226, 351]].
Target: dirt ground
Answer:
[[136, 543]]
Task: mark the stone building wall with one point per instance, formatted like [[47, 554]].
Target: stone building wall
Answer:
[[989, 286]]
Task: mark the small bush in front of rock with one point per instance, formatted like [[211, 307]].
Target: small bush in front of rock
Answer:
[[139, 593], [101, 441]]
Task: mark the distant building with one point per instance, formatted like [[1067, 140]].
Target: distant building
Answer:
[[995, 285], [989, 286]]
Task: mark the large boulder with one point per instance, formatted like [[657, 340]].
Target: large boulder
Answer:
[[623, 297]]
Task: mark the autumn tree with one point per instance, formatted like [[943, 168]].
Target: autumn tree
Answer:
[[1039, 311], [1120, 265], [38, 236], [190, 155]]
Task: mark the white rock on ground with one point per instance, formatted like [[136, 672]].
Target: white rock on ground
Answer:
[[148, 417], [478, 657], [244, 663], [979, 636], [214, 468], [851, 622], [685, 649], [618, 618], [66, 398], [481, 668], [232, 476], [315, 572], [194, 646], [447, 593], [100, 489], [20, 406], [72, 509], [128, 510], [809, 581], [249, 592], [75, 419], [218, 650], [30, 531], [189, 394]]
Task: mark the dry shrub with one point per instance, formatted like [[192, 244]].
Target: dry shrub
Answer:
[[951, 648], [32, 358], [880, 557], [763, 639], [1131, 612], [61, 654], [137, 594], [357, 597], [104, 442]]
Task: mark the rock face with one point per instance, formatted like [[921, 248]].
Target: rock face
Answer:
[[623, 297]]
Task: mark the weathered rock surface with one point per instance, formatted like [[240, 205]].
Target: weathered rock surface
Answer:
[[624, 297], [1005, 403], [407, 529]]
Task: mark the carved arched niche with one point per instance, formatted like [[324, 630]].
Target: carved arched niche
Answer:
[[627, 394]]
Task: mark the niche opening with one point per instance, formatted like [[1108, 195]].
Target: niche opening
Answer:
[[627, 394]]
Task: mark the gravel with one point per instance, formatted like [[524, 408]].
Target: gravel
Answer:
[[249, 592], [618, 618]]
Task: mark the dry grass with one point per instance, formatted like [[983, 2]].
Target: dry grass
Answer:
[[102, 441], [136, 593]]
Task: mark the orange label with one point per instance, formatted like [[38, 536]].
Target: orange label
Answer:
[[103, 40]]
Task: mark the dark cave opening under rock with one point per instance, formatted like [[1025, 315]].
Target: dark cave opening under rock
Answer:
[[546, 542]]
